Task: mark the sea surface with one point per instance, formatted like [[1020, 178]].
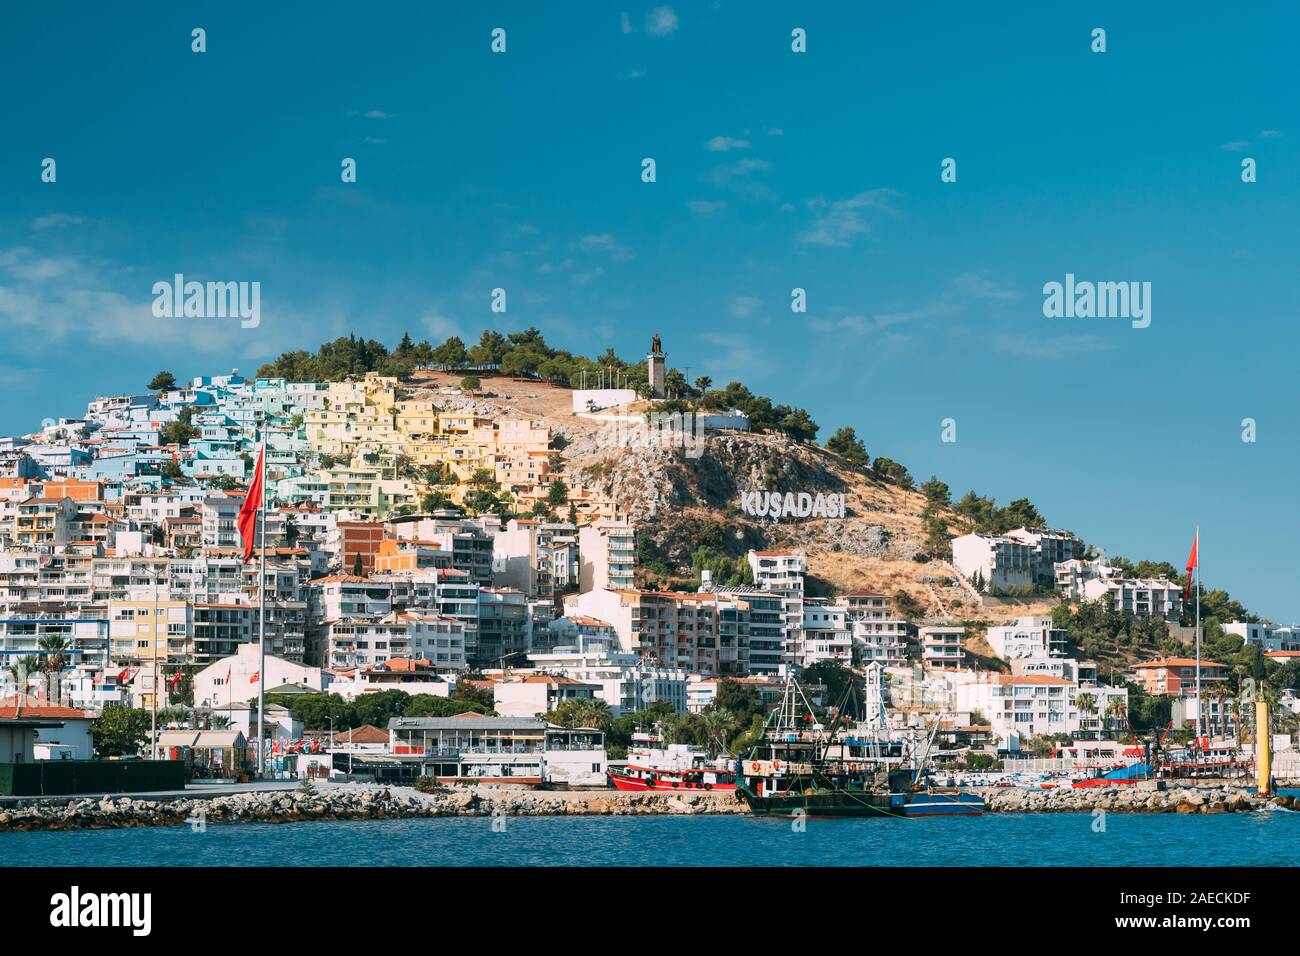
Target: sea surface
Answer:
[[1001, 839]]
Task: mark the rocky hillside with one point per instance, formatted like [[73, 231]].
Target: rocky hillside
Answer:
[[672, 495]]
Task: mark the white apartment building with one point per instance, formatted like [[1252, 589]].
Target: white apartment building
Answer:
[[825, 634], [1027, 637], [1266, 636], [623, 680], [997, 561], [1051, 547], [879, 634], [1072, 575], [606, 556], [941, 645], [1138, 596]]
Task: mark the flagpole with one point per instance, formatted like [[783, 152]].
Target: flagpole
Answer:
[[261, 612], [1197, 539]]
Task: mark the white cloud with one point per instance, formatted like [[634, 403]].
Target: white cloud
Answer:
[[976, 286], [625, 23], [743, 306], [723, 144], [379, 114], [661, 21], [1270, 134], [606, 243], [838, 223], [705, 207], [1236, 146], [1050, 347], [56, 219]]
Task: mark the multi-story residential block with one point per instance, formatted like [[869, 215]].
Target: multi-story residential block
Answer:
[[1051, 548], [995, 561], [1265, 635], [941, 645], [1154, 597], [623, 679], [607, 556], [1176, 676], [879, 634], [825, 635], [1028, 637], [707, 633]]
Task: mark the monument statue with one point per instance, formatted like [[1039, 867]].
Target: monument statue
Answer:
[[656, 346]]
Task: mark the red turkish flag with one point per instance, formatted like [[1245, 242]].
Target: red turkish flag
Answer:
[[248, 512], [1193, 562]]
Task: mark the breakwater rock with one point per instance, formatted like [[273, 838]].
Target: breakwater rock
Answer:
[[348, 802], [1131, 798]]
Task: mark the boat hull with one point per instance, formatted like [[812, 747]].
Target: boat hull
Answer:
[[634, 784], [826, 803], [944, 804]]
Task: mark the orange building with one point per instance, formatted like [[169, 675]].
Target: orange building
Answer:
[[1176, 676]]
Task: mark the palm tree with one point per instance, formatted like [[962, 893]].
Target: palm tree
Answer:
[[53, 658], [21, 670], [1220, 694], [1088, 703], [719, 723], [1116, 710]]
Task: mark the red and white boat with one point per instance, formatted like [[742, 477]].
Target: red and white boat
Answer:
[[652, 765]]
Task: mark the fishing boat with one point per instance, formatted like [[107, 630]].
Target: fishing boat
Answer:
[[653, 764], [789, 770]]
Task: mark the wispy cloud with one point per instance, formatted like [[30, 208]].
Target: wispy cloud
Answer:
[[839, 222], [723, 144], [743, 306], [977, 286], [705, 207], [1236, 146], [1270, 134], [661, 21], [1050, 347], [739, 177], [606, 243], [55, 219]]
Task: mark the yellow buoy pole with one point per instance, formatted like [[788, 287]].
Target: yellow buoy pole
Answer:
[[1263, 750]]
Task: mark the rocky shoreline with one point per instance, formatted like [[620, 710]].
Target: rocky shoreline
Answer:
[[368, 802], [1136, 798]]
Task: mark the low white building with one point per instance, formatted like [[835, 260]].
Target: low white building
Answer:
[[527, 695], [235, 679], [1268, 637]]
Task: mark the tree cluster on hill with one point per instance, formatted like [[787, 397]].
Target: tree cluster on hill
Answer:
[[988, 518], [526, 355], [846, 444]]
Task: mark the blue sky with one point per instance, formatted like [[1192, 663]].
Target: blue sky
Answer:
[[775, 170]]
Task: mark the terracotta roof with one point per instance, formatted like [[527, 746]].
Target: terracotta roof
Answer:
[[1178, 662], [11, 708], [367, 734]]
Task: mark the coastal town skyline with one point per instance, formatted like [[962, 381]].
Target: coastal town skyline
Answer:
[[761, 189]]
